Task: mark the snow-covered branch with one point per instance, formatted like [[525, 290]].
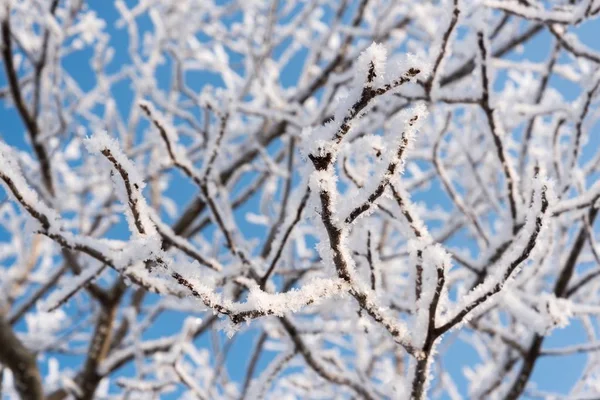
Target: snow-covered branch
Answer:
[[358, 187]]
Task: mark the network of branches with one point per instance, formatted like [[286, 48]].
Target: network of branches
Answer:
[[297, 199]]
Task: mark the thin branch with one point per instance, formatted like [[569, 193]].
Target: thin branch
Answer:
[[513, 265], [494, 126]]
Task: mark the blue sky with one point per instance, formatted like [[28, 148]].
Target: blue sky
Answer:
[[552, 374]]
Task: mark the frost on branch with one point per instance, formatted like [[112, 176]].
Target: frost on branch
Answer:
[[334, 198]]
